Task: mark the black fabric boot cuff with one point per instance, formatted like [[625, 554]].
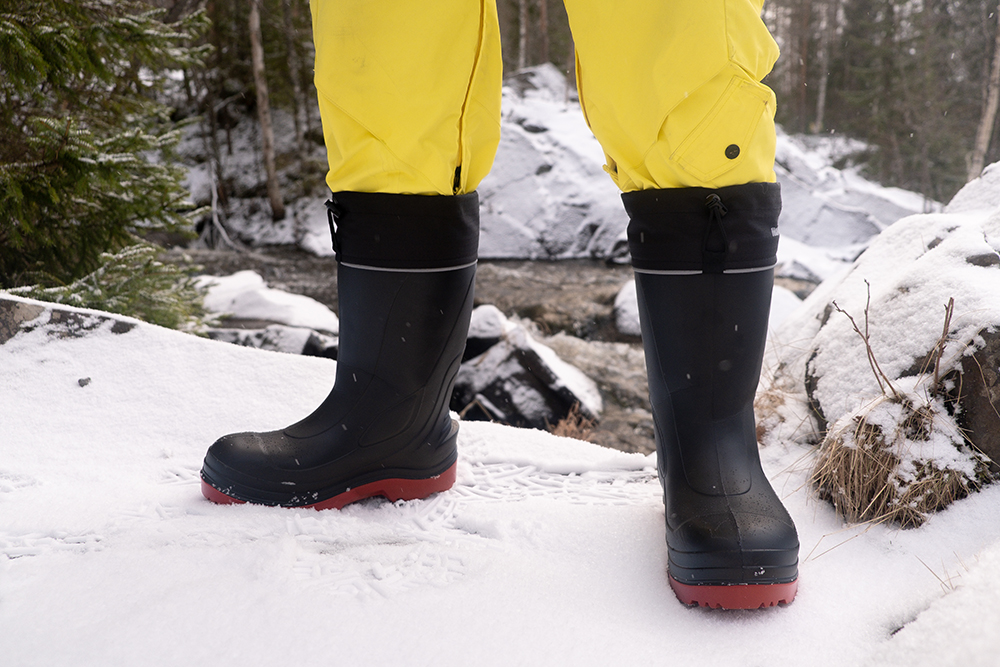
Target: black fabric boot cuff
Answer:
[[703, 230], [415, 232]]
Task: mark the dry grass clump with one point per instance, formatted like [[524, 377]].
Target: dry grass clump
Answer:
[[574, 425], [874, 468]]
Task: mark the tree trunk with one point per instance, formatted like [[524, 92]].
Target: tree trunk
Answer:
[[828, 28], [522, 43], [309, 56], [806, 22], [295, 71], [988, 118], [264, 113], [543, 29]]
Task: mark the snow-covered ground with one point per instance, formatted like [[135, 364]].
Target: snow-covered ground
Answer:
[[547, 551]]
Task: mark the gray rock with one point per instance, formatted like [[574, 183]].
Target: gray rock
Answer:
[[280, 338], [979, 396], [521, 382], [59, 321]]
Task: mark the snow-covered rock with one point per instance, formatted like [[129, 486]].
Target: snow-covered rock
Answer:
[[829, 215], [520, 381], [547, 195], [909, 397], [487, 323], [244, 295], [784, 303], [979, 194], [280, 338], [627, 310], [485, 330], [506, 374], [829, 207]]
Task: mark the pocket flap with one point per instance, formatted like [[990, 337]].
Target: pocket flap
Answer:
[[723, 139]]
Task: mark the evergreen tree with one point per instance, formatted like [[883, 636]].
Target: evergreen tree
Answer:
[[84, 145], [908, 78]]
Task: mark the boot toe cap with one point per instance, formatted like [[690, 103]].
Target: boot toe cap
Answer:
[[250, 465], [733, 548]]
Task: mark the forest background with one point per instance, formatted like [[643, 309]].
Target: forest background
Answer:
[[909, 78], [90, 91]]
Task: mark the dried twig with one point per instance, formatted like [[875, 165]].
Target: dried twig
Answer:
[[949, 310], [880, 376]]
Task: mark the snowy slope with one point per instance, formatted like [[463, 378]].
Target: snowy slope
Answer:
[[547, 551], [548, 197]]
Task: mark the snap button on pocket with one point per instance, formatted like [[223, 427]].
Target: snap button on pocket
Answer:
[[732, 151]]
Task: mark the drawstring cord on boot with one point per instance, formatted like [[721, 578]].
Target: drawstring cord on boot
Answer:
[[715, 245]]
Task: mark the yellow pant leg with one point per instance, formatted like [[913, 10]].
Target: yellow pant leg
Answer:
[[671, 90], [409, 92]]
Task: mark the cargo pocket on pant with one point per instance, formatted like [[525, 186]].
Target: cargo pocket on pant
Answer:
[[724, 137]]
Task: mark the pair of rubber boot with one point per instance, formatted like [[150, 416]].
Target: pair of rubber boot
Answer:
[[703, 262]]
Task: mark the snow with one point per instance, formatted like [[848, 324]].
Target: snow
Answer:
[[827, 207], [925, 258], [627, 310], [244, 295], [962, 620], [784, 303], [546, 551], [569, 375], [980, 194], [547, 195], [487, 322]]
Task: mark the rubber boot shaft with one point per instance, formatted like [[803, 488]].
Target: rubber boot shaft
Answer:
[[703, 313], [724, 522], [402, 336]]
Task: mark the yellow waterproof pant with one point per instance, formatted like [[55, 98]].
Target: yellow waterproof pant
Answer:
[[409, 92]]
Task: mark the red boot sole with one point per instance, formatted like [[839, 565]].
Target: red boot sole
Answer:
[[737, 596], [392, 489]]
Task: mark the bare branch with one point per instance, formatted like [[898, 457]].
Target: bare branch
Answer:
[[880, 376]]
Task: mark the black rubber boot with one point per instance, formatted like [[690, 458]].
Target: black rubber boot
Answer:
[[703, 262], [406, 272]]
